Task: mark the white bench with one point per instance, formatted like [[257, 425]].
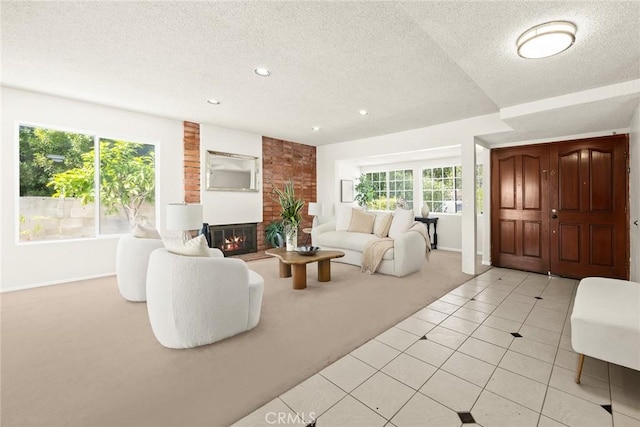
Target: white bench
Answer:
[[605, 322]]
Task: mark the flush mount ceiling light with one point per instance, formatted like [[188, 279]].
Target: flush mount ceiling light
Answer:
[[363, 112], [262, 72], [315, 128], [213, 101], [546, 40]]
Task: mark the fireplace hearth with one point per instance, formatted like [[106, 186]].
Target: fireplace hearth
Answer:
[[234, 239]]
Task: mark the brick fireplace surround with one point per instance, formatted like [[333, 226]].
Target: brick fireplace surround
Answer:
[[281, 161]]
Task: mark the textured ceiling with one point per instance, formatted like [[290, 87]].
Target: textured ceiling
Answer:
[[411, 64]]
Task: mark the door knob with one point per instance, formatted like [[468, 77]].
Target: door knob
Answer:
[[554, 216]]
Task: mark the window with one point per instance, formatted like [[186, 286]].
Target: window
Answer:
[[390, 186], [58, 179], [442, 189], [401, 186]]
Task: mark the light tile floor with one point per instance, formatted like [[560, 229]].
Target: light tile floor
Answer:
[[496, 351]]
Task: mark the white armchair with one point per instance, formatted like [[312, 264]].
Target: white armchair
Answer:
[[132, 259], [194, 301]]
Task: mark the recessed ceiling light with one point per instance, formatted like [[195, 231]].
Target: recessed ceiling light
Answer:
[[546, 40], [363, 112], [315, 128], [262, 72], [213, 101]]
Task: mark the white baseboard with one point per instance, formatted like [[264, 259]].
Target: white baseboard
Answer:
[[55, 282], [486, 262], [444, 248]]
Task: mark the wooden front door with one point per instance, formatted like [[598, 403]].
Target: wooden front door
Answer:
[[588, 201], [562, 208], [519, 208]]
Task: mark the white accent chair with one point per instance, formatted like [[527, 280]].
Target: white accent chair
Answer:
[[194, 301], [605, 322], [132, 259]]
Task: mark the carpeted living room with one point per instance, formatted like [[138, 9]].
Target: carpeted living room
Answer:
[[108, 369], [320, 213]]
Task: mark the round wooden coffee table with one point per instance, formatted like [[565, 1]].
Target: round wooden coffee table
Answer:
[[294, 265]]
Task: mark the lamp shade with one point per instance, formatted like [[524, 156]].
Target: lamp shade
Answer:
[[316, 209], [184, 217]]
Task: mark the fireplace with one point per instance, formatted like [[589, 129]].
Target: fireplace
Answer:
[[234, 239]]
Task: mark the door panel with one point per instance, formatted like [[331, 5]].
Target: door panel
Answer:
[[531, 183], [601, 181], [590, 235], [532, 238], [507, 178], [519, 208], [569, 181]]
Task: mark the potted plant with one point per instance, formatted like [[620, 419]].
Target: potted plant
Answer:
[[291, 212], [365, 191], [274, 233]]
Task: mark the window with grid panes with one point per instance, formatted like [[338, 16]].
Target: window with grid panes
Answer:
[[442, 189]]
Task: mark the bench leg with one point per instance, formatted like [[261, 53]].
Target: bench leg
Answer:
[[580, 363]]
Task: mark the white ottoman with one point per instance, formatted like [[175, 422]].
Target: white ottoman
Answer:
[[605, 322]]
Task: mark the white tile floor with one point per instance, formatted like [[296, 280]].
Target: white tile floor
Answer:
[[469, 363]]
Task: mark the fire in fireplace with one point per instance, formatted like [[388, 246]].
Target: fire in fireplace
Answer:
[[234, 239]]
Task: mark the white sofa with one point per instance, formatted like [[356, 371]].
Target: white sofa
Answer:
[[195, 300], [406, 257]]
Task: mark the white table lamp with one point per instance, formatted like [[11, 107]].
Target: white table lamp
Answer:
[[183, 217], [315, 210]]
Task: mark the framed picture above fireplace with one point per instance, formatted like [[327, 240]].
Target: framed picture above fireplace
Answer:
[[232, 172]]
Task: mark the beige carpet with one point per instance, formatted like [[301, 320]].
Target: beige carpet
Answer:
[[80, 355]]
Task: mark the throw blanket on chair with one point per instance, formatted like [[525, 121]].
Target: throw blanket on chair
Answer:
[[375, 249]]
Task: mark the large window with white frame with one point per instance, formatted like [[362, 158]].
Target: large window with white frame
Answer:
[[442, 188], [389, 186], [80, 185]]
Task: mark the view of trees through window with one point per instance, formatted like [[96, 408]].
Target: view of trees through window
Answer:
[[389, 187], [58, 179], [442, 189]]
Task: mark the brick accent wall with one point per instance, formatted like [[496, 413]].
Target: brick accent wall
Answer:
[[281, 161], [191, 162]]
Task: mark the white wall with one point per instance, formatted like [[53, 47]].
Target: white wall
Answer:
[[28, 264], [230, 207], [634, 194]]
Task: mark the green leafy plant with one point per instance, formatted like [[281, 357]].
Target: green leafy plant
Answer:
[[365, 191], [291, 206], [127, 178], [274, 233]]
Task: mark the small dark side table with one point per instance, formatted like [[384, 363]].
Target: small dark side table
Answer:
[[428, 222]]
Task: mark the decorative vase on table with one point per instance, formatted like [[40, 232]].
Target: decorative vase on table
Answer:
[[291, 237], [425, 210]]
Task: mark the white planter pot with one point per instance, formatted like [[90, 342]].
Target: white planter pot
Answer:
[[291, 238]]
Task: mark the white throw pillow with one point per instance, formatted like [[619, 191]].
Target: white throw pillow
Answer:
[[343, 217], [401, 222], [143, 232], [382, 224], [193, 247]]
